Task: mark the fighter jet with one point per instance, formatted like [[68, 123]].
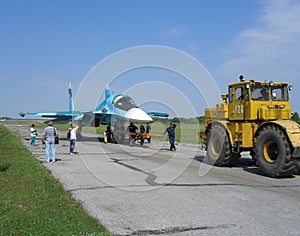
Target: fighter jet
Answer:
[[114, 109]]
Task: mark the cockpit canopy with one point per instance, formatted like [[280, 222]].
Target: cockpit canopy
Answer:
[[124, 102]]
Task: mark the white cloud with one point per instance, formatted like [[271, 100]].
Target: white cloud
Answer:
[[269, 50], [175, 31], [279, 24], [192, 47]]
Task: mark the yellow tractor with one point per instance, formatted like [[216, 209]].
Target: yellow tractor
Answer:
[[256, 117]]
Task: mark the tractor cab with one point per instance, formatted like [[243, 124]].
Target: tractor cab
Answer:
[[253, 100]]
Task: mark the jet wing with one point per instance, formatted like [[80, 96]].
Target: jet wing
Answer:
[[61, 117], [93, 117], [156, 114], [114, 108], [98, 116]]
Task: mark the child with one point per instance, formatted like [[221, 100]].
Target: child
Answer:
[[33, 134]]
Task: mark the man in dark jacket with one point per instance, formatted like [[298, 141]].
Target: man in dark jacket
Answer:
[[148, 129], [171, 132], [108, 134], [132, 129], [142, 132]]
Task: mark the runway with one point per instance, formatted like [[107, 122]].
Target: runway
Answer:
[[151, 190]]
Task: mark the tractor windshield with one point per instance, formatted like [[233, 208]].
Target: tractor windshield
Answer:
[[260, 93], [279, 93]]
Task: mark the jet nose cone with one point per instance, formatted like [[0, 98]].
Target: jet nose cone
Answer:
[[137, 115]]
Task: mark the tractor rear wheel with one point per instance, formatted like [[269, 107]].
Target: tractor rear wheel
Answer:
[[219, 151], [273, 153]]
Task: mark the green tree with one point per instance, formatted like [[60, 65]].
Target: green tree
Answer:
[[175, 120], [295, 117], [201, 119]]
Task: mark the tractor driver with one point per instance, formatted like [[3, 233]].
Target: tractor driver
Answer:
[[264, 94]]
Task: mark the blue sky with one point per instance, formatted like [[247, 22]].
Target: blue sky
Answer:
[[45, 45]]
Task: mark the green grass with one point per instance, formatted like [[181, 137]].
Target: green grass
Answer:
[[32, 202], [185, 133]]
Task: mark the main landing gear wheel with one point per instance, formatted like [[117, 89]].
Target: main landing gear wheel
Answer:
[[273, 153], [219, 149]]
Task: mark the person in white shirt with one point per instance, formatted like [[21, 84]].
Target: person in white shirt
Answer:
[[72, 131], [33, 134]]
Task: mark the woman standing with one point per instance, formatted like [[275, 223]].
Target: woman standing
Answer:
[[72, 131], [33, 134]]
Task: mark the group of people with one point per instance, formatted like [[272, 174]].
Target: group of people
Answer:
[[50, 135], [142, 134], [134, 135], [132, 129]]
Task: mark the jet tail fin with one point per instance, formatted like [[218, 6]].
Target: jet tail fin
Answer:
[[107, 92], [71, 106]]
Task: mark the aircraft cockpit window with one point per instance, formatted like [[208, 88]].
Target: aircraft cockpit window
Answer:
[[124, 103]]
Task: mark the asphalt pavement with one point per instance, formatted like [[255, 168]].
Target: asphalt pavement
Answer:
[[150, 190]]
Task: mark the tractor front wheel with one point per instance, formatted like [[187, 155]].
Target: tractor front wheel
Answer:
[[273, 153]]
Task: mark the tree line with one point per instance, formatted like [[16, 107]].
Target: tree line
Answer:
[[183, 120], [295, 117], [201, 119]]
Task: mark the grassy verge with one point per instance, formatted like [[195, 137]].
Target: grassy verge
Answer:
[[32, 202], [185, 133]]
